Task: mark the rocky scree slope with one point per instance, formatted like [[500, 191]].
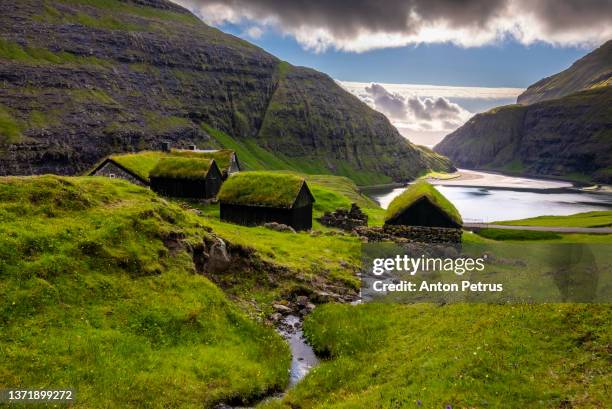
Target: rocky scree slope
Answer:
[[568, 137], [85, 78]]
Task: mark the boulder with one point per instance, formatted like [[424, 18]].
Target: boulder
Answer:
[[279, 227]]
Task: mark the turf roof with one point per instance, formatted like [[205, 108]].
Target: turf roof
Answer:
[[417, 191], [182, 168], [142, 163], [222, 157], [268, 189]]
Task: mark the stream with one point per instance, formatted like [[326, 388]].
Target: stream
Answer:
[[303, 358]]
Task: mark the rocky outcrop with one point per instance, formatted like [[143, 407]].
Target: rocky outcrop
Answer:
[[82, 79], [345, 219]]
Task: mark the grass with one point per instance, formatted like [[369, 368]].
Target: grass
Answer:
[[164, 124], [117, 7], [254, 157], [321, 255], [270, 189], [93, 298], [463, 356], [13, 51], [10, 129], [417, 191], [587, 219], [517, 235], [182, 168]]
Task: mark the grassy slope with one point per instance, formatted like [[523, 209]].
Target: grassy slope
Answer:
[[392, 356], [254, 157], [326, 253], [591, 71], [587, 219], [91, 298]]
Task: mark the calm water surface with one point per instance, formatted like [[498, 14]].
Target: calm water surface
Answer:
[[488, 204]]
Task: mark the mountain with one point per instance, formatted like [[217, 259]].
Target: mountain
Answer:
[[86, 78], [568, 137], [591, 71]]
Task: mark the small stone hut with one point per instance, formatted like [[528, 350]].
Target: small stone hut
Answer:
[[422, 205], [255, 198], [186, 177]]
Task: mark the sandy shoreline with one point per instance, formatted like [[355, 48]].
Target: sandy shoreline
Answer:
[[475, 178]]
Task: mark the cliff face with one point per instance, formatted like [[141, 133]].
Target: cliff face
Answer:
[[569, 136], [561, 126], [86, 78], [591, 71]]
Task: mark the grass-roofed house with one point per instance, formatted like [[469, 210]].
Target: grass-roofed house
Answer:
[[186, 177], [422, 205], [136, 167], [255, 198]]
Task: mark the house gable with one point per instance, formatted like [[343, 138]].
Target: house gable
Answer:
[[112, 169], [423, 212], [304, 197]]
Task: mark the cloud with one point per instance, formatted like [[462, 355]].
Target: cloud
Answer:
[[393, 105], [361, 25], [254, 32], [420, 113]]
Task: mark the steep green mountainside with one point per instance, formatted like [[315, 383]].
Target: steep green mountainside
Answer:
[[86, 78], [593, 70], [566, 137]]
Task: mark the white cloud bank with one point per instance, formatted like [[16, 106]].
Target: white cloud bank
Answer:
[[426, 113], [362, 25]]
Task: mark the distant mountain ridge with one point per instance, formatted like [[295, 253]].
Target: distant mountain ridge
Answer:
[[591, 71], [86, 78], [561, 127]]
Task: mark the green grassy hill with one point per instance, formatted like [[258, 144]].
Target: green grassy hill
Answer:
[[97, 294], [592, 71], [99, 291], [459, 356]]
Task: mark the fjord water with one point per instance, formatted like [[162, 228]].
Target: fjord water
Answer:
[[515, 198]]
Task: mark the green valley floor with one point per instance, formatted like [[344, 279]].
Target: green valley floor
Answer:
[[101, 289]]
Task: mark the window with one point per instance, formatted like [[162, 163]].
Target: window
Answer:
[[112, 175]]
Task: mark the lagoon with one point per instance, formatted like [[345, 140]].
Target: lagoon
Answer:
[[483, 197]]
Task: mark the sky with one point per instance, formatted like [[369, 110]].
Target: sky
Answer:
[[429, 65]]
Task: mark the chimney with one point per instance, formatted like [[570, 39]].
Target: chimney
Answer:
[[165, 146], [191, 147]]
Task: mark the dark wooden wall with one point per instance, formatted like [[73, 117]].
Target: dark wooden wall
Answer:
[[423, 213], [299, 218]]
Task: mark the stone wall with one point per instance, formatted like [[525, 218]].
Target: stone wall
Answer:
[[408, 234], [113, 171], [345, 219]]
